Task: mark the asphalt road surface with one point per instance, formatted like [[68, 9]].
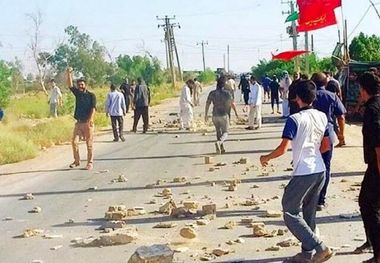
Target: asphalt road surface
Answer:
[[157, 158]]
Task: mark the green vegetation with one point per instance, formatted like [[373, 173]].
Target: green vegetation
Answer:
[[365, 48], [5, 84], [207, 76], [276, 67]]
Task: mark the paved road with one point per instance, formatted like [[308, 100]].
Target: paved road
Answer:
[[162, 155]]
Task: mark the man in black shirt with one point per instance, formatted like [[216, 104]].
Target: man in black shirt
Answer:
[[125, 88], [274, 94], [141, 101], [369, 197], [244, 86], [85, 107]]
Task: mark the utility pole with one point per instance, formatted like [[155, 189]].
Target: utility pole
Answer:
[[224, 60], [312, 43], [292, 30], [228, 58], [307, 65], [203, 43], [170, 45]]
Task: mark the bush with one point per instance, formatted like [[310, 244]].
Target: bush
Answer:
[[15, 148], [5, 84], [207, 76]]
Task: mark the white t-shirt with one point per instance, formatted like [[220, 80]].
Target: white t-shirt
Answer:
[[255, 95], [55, 95], [185, 98], [306, 130]]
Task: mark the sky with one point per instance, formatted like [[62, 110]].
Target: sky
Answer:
[[252, 28]]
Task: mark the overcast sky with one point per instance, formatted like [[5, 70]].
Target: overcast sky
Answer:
[[252, 28]]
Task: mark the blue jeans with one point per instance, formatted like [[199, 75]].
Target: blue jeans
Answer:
[[301, 196], [327, 156]]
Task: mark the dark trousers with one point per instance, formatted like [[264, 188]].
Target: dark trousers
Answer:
[[117, 126], [327, 156], [274, 98], [246, 97], [127, 103], [144, 112], [369, 204]]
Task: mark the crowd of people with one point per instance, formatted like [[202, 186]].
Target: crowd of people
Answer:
[[314, 125]]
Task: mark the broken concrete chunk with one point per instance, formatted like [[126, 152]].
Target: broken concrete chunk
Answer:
[[167, 208], [272, 214], [243, 160], [152, 254], [114, 224], [94, 188], [191, 204], [136, 211], [259, 229], [165, 225], [167, 192], [36, 209], [240, 240], [349, 216], [230, 225], [179, 180], [52, 236], [208, 160], [188, 232], [31, 232], [28, 196], [273, 248], [288, 243], [209, 209], [246, 221], [181, 212], [118, 237], [207, 257], [220, 252], [203, 222], [122, 179], [221, 164]]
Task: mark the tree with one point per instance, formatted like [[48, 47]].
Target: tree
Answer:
[[5, 84], [40, 58], [16, 73], [84, 55], [365, 48]]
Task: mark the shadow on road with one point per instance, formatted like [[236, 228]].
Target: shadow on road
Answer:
[[230, 140], [261, 179], [43, 171]]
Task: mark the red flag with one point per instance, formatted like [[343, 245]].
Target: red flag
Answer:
[[288, 55], [316, 14]]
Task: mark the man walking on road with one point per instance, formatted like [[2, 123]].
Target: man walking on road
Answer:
[[307, 133], [274, 94], [284, 91], [141, 101], [255, 103], [125, 88], [186, 105], [196, 92], [332, 106], [115, 107], [55, 99], [369, 197], [221, 100], [244, 87], [85, 107]]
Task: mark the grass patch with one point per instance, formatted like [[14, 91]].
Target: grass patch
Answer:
[[14, 148]]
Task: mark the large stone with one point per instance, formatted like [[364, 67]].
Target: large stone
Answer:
[[209, 209], [167, 208], [118, 237], [180, 212], [188, 232], [152, 254], [31, 232], [190, 204], [259, 230]]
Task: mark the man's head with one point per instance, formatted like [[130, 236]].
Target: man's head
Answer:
[[52, 82], [112, 87], [319, 79], [306, 92], [190, 83], [81, 84], [252, 79], [275, 78], [221, 82], [369, 85], [296, 75], [139, 80], [126, 80]]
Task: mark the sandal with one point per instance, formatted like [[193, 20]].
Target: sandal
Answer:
[[89, 166], [74, 164]]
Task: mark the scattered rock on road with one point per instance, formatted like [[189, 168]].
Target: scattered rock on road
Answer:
[[209, 209], [28, 196], [165, 225], [31, 232], [152, 254], [36, 210], [118, 237], [188, 232]]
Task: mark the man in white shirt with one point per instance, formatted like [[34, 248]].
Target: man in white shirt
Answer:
[[186, 105], [116, 108], [55, 99], [255, 104], [197, 92], [307, 132]]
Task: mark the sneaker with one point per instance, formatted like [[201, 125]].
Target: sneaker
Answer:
[[320, 207], [89, 166], [250, 128], [222, 150], [122, 138], [115, 140], [272, 112], [217, 149], [74, 164], [299, 258], [323, 256]]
